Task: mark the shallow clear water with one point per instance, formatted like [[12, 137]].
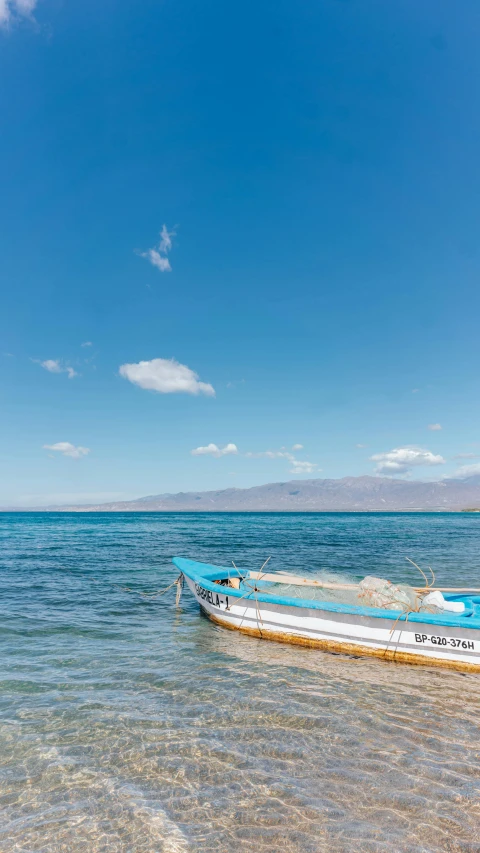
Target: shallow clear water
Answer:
[[127, 725]]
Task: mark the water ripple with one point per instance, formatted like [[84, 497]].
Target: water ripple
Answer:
[[127, 725]]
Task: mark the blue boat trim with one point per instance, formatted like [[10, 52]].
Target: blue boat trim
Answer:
[[205, 574]]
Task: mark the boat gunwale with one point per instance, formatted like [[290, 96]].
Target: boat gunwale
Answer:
[[210, 574]]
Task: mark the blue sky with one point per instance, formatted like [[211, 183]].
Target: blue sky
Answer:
[[316, 168]]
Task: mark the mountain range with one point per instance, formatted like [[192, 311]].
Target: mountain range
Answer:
[[351, 494]]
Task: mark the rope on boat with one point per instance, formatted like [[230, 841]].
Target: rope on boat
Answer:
[[427, 584], [250, 589], [179, 583], [405, 609], [156, 594], [244, 579]]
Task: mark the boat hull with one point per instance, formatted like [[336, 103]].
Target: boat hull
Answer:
[[420, 642]]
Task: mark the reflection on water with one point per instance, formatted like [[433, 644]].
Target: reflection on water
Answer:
[[126, 725]]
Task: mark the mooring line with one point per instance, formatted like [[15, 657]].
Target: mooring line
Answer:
[[156, 594]]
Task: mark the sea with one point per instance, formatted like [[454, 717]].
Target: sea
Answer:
[[130, 725]]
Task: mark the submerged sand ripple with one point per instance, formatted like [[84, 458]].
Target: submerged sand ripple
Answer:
[[128, 726]]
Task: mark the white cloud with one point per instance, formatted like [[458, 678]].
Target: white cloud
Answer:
[[67, 449], [303, 467], [214, 450], [54, 365], [466, 456], [158, 254], [467, 470], [270, 454], [165, 375], [12, 9], [87, 344], [166, 239], [360, 445], [401, 459], [157, 260], [298, 466], [434, 427]]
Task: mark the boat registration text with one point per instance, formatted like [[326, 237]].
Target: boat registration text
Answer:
[[453, 642], [211, 597]]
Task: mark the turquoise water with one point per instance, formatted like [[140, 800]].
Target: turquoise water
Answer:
[[127, 725]]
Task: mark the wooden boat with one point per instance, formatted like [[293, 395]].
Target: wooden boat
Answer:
[[240, 600]]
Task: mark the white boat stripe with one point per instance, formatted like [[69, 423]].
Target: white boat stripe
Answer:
[[354, 640]]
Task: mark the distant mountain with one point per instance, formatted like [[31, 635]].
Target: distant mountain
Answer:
[[348, 494]]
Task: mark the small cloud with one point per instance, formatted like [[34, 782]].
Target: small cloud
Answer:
[[303, 467], [12, 10], [166, 376], [86, 344], [157, 260], [360, 445], [415, 390], [8, 354], [165, 239], [158, 254], [298, 466], [401, 459], [434, 427], [54, 365], [67, 449], [269, 454], [466, 456], [214, 450], [467, 470]]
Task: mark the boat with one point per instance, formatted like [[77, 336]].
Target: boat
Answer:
[[250, 602]]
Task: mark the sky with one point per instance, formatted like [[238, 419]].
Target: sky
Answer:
[[240, 244]]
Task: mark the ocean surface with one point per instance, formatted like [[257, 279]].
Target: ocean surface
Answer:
[[129, 725]]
